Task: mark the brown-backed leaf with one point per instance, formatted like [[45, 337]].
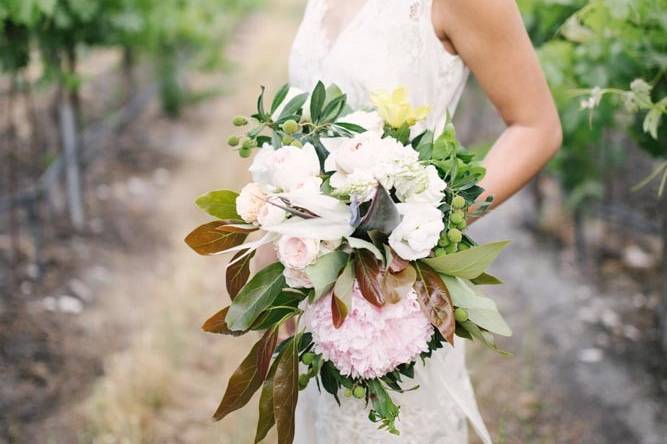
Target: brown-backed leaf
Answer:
[[397, 263], [266, 418], [369, 276], [207, 239], [338, 311], [265, 351], [233, 227], [286, 392], [245, 381], [435, 301], [217, 324], [395, 286], [238, 272]]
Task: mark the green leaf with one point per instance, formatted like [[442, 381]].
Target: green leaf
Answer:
[[384, 410], [293, 106], [286, 392], [369, 277], [217, 324], [485, 337], [279, 97], [260, 105], [330, 379], [481, 310], [317, 101], [424, 146], [333, 109], [266, 419], [220, 204], [358, 244], [382, 215], [208, 239], [245, 381], [256, 296], [342, 295], [324, 272], [467, 264], [435, 301], [352, 127], [486, 279], [238, 272]]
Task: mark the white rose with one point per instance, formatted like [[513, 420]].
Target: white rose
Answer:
[[418, 232], [250, 201], [261, 168], [297, 252], [271, 214], [297, 278], [292, 166], [429, 191], [349, 154], [360, 184], [371, 121]]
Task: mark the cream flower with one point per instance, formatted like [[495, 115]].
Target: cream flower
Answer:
[[395, 108], [418, 232], [250, 201]]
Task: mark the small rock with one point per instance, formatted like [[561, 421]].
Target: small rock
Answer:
[[80, 289], [610, 319], [635, 257], [69, 304], [590, 355]]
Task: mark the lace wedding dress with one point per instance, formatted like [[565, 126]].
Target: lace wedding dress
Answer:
[[363, 46]]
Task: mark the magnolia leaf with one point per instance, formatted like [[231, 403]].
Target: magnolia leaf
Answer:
[[435, 301], [265, 351], [339, 311], [266, 418], [486, 279], [395, 286], [246, 380], [481, 310], [237, 228], [286, 392], [341, 300], [207, 239], [324, 272], [220, 204], [467, 264], [369, 276], [257, 295], [217, 324], [357, 243], [484, 336], [382, 215], [238, 272]]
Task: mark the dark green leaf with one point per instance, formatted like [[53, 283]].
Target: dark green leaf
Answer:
[[257, 295], [293, 107], [352, 127], [384, 409], [260, 105], [238, 272], [286, 393], [279, 97], [220, 204], [207, 239], [317, 101], [382, 215], [330, 379]]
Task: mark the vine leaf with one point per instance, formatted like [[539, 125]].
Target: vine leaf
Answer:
[[285, 392], [369, 276], [238, 272], [435, 301], [208, 239], [247, 378]]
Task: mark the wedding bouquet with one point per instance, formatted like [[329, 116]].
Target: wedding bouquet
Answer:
[[367, 216]]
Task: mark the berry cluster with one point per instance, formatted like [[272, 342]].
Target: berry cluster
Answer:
[[451, 240]]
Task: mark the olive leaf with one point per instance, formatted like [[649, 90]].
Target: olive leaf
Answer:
[[435, 301], [286, 392], [238, 272], [369, 276], [317, 101], [279, 97], [208, 239]]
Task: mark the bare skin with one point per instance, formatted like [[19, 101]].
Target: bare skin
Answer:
[[490, 38]]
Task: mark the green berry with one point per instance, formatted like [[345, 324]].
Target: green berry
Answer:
[[462, 225], [457, 217], [233, 140], [245, 152], [347, 393], [440, 251], [454, 235], [303, 381], [461, 315], [308, 358], [287, 139], [240, 121], [249, 143], [444, 240], [290, 126], [297, 143], [463, 247], [359, 392], [451, 248], [458, 202]]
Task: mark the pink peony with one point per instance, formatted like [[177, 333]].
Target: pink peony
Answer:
[[372, 341]]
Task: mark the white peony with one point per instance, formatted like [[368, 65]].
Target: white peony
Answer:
[[371, 121], [297, 252], [250, 201], [418, 232], [271, 214], [293, 166], [349, 154], [427, 188], [297, 278]]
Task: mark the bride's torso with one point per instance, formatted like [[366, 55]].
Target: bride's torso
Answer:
[[369, 45]]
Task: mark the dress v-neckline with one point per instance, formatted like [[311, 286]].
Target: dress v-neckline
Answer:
[[330, 42]]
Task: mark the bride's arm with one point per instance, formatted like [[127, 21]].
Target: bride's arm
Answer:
[[490, 37]]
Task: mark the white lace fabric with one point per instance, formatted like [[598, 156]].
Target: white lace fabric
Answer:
[[364, 46]]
